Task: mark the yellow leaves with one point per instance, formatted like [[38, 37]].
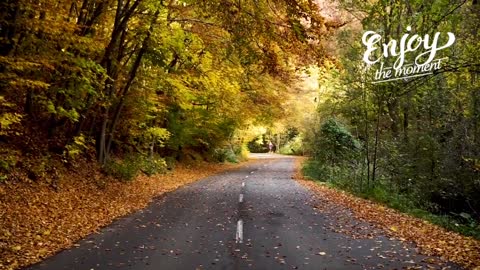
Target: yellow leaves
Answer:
[[19, 64], [8, 119], [394, 229], [29, 84], [16, 248]]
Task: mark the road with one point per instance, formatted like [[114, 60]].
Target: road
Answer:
[[254, 217]]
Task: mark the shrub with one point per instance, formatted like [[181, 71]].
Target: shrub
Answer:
[[128, 168], [384, 193], [75, 148], [8, 162], [153, 165], [232, 154], [170, 163], [124, 170], [258, 145], [314, 170], [225, 154], [335, 144], [241, 152], [293, 147]]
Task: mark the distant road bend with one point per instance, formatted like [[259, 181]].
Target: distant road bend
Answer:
[[254, 217]]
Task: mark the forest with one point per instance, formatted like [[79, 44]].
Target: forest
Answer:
[[414, 143], [159, 80], [136, 87]]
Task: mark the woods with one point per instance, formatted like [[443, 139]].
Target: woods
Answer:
[[106, 79], [382, 97], [411, 143], [138, 85]]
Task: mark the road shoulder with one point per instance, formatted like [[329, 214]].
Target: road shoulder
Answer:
[[430, 239]]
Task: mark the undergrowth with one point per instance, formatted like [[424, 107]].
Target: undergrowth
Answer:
[[129, 167], [342, 178]]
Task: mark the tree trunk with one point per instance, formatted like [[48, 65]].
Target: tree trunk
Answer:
[[393, 107], [131, 78], [406, 115], [110, 62], [367, 137], [102, 153], [10, 11], [375, 149]]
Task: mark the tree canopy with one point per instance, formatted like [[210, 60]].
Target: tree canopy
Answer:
[[164, 77], [420, 135]]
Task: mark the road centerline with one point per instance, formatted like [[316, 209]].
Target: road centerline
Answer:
[[239, 235]]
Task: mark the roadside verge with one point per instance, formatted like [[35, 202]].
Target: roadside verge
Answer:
[[38, 221], [431, 239]]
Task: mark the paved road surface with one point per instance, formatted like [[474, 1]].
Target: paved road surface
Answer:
[[255, 217]]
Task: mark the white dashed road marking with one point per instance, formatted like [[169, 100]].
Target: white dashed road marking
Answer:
[[239, 237], [240, 199]]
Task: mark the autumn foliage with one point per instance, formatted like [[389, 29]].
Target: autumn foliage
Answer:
[[38, 221]]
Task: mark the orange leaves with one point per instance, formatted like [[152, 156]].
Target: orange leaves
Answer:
[[37, 221], [431, 239]]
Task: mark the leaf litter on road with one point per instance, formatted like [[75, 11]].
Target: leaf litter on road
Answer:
[[38, 221], [431, 239]]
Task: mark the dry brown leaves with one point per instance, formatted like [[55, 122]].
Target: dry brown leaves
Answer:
[[431, 239], [37, 221]]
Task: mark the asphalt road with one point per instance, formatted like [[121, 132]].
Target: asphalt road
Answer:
[[255, 217]]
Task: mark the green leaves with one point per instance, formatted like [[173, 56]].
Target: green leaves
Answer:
[[419, 136], [334, 144]]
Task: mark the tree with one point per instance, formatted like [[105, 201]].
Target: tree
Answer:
[[418, 134]]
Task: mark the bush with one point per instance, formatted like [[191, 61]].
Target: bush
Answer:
[[258, 145], [241, 152], [293, 147], [8, 162], [225, 154], [314, 170], [170, 163], [154, 165], [128, 168], [384, 193], [75, 148], [233, 154], [335, 144], [124, 170]]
